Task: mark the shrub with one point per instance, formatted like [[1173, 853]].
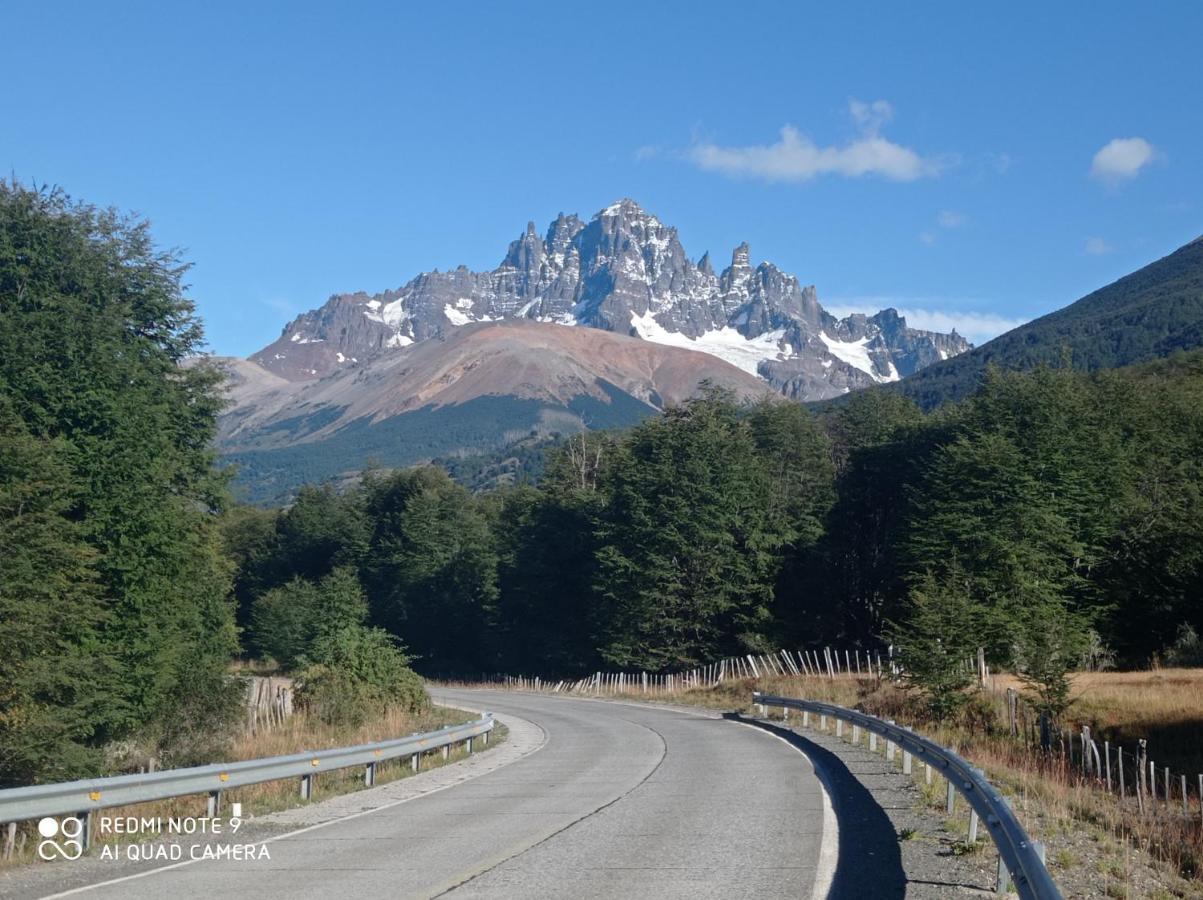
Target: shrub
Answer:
[[289, 620], [282, 621], [203, 720], [1187, 650], [353, 674], [934, 643], [1051, 640]]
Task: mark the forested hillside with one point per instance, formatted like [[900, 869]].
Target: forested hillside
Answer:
[[1048, 505], [1151, 313]]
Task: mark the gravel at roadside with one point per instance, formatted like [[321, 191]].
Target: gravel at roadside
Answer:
[[885, 821]]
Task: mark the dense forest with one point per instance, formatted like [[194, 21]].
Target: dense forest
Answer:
[[1053, 517]]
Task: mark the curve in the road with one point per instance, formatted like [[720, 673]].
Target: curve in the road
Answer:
[[620, 801]]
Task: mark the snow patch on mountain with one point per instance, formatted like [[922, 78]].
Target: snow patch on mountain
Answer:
[[856, 354], [726, 343]]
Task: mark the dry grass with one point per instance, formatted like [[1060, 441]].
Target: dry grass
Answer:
[[300, 732], [1163, 706]]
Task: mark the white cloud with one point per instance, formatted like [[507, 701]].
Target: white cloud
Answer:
[[870, 116], [1097, 246], [946, 218], [1122, 158], [978, 327], [795, 157]]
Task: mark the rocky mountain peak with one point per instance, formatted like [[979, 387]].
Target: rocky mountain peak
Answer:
[[623, 271]]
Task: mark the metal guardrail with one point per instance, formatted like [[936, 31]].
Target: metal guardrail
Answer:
[[81, 798], [1018, 852]]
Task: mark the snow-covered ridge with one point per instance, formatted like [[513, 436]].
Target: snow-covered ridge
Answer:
[[625, 271]]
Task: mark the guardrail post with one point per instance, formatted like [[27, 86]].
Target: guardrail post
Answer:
[[416, 762], [856, 735], [485, 738], [839, 727], [890, 746], [85, 831], [306, 787], [906, 763], [369, 775], [806, 718], [927, 773], [468, 746], [1004, 877], [446, 750], [822, 723], [213, 807], [952, 798], [873, 741]]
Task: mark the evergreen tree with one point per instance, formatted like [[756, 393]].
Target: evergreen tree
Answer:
[[321, 531], [431, 570], [936, 639], [688, 554], [94, 334], [250, 542], [796, 456], [290, 620], [53, 694], [1152, 572], [546, 609], [868, 419], [1020, 501], [880, 442]]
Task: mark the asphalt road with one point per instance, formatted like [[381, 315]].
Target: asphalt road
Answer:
[[609, 800]]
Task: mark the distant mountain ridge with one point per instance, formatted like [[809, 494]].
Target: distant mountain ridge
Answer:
[[1148, 314], [483, 386], [625, 272]]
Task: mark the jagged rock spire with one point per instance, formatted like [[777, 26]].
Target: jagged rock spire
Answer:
[[624, 271]]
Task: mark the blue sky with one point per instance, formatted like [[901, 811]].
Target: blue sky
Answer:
[[971, 164]]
